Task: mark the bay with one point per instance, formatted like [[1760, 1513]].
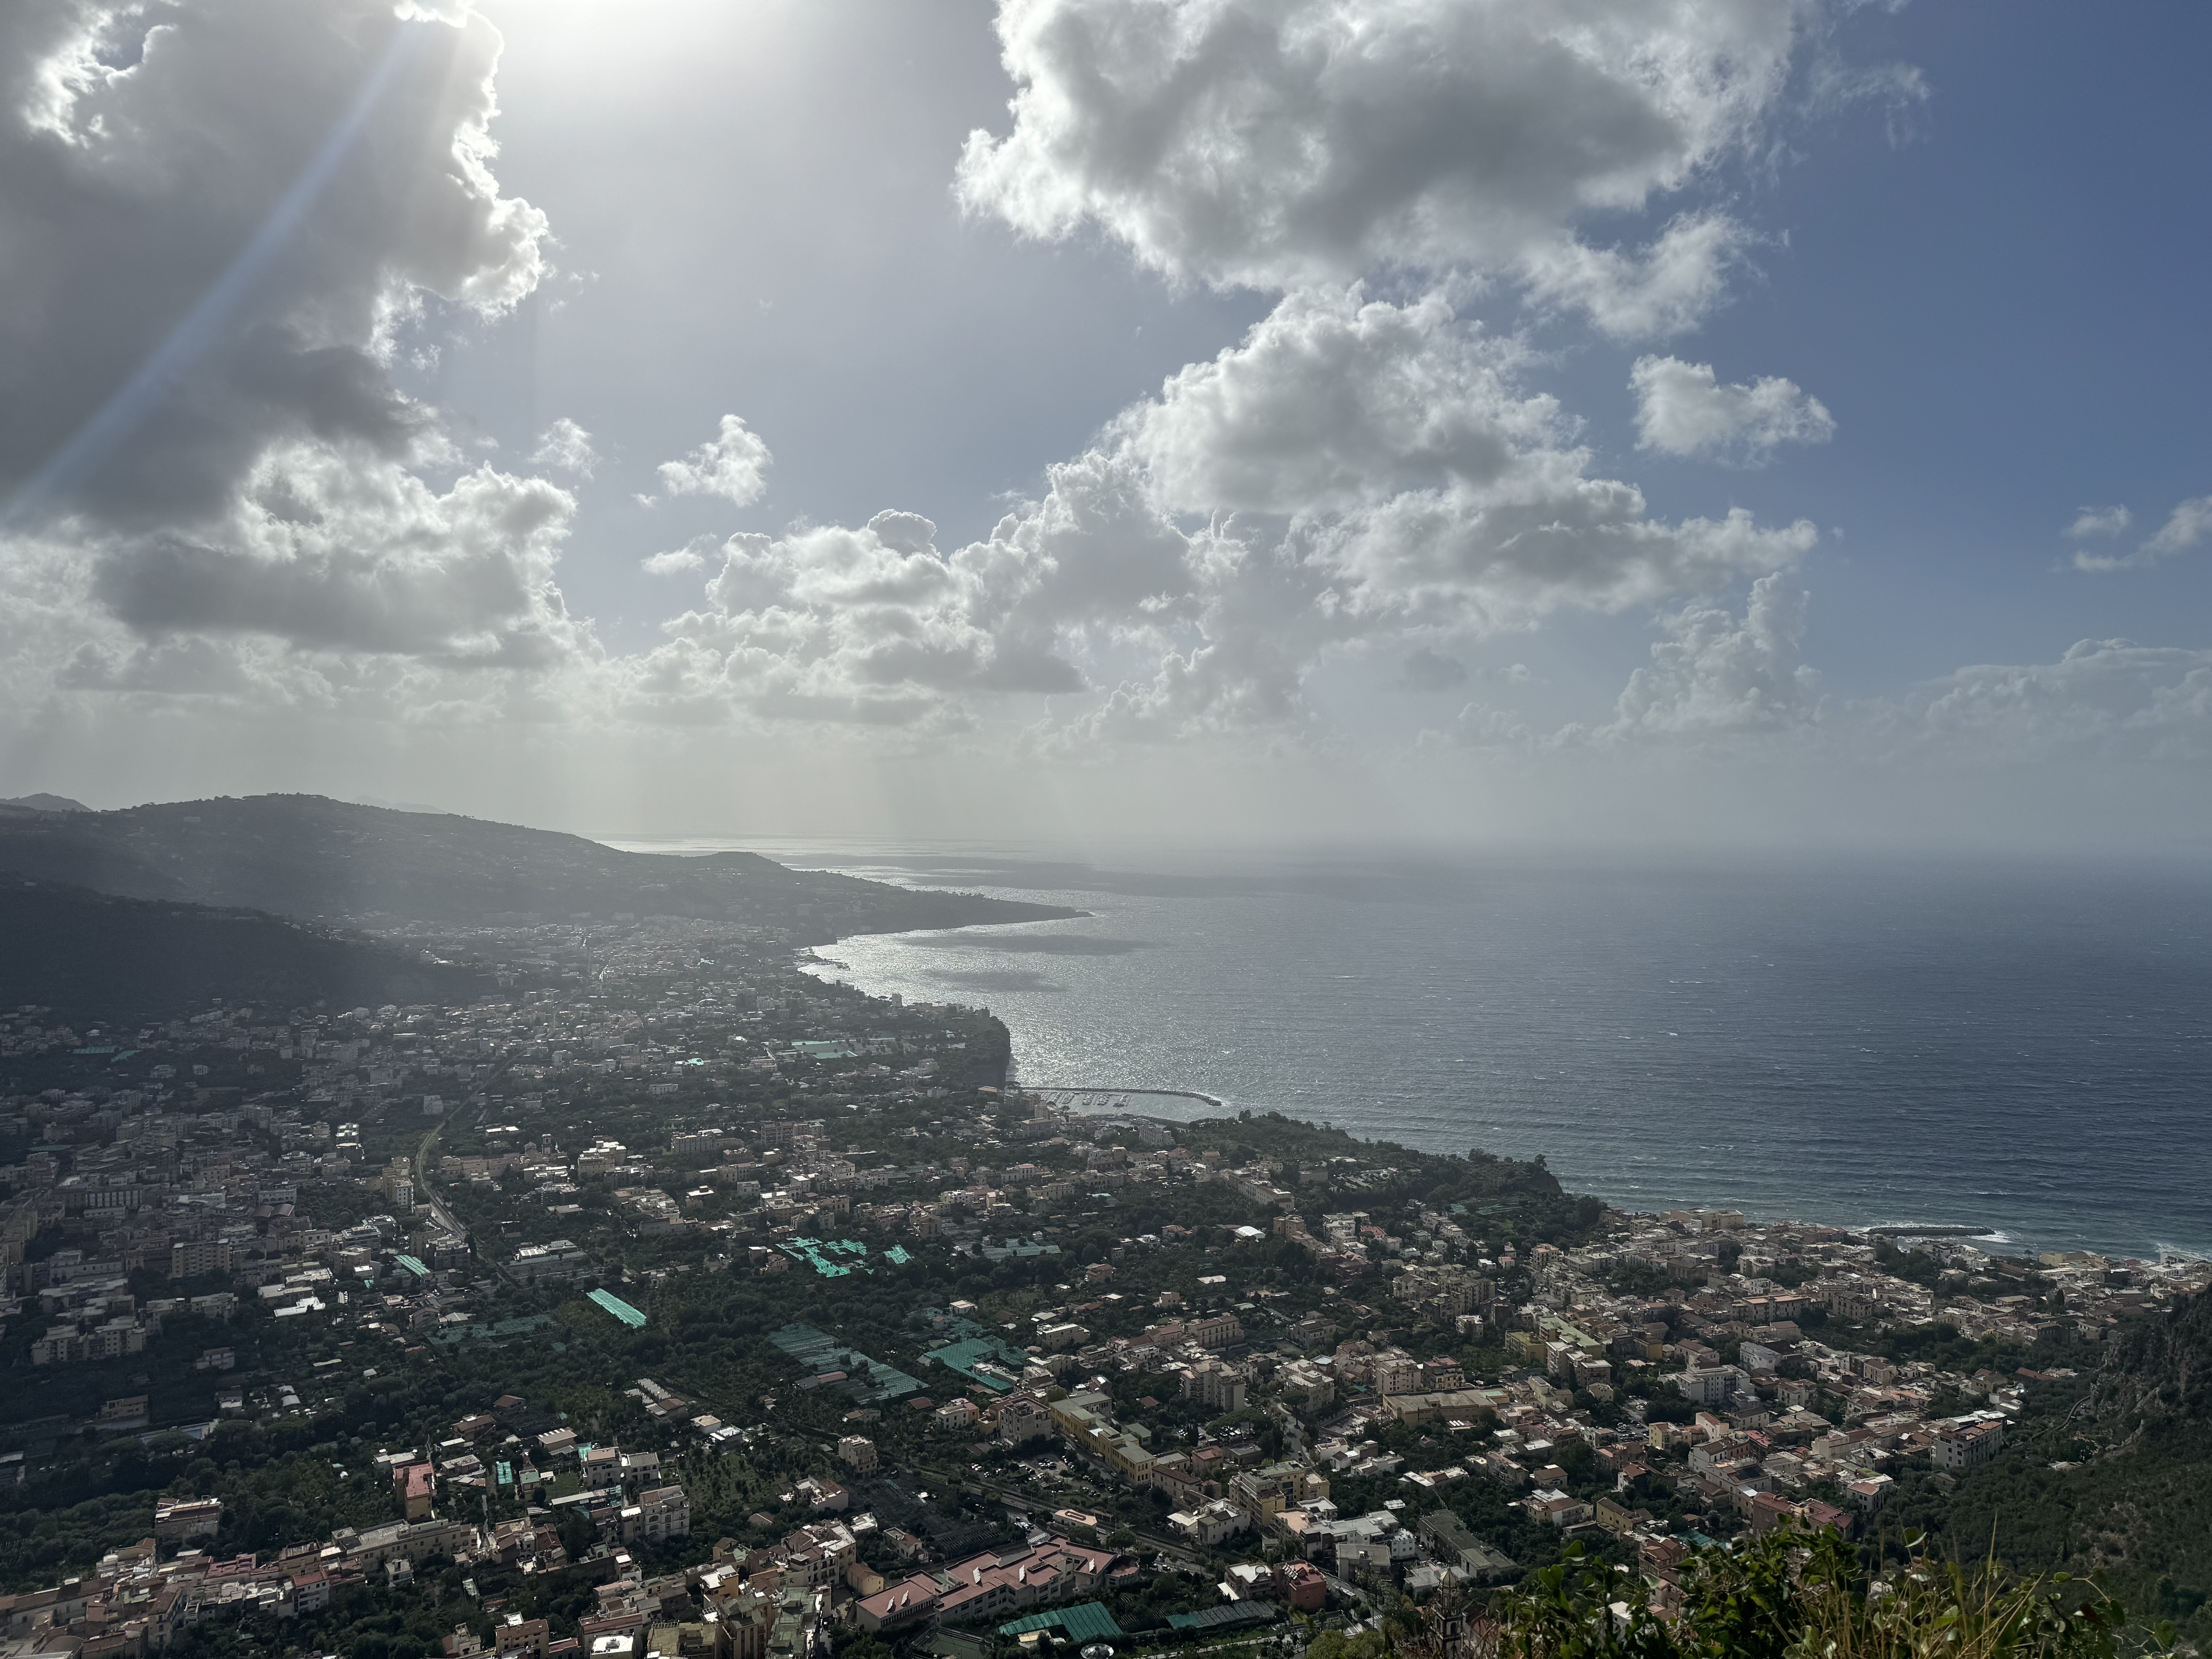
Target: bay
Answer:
[[2026, 1048]]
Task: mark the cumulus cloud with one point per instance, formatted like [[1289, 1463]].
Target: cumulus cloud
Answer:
[[1275, 143], [1352, 470], [2104, 697], [1684, 409], [2093, 523], [1718, 683], [330, 553], [1355, 468], [1417, 477], [200, 215], [872, 625], [217, 220], [692, 555], [1714, 677], [566, 447], [2187, 527], [1715, 674], [1654, 293], [733, 463]]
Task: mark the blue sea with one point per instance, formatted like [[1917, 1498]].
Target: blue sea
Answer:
[[2022, 1047]]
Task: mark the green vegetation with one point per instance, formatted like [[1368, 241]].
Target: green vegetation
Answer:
[[89, 956], [1787, 1595]]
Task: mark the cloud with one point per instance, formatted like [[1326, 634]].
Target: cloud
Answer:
[[1667, 288], [2104, 698], [872, 626], [219, 220], [2099, 521], [1351, 470], [2187, 527], [1682, 409], [692, 555], [566, 447], [1722, 685], [732, 464], [206, 252], [1431, 670], [1712, 679], [1279, 143], [1714, 674], [1418, 479], [330, 553]]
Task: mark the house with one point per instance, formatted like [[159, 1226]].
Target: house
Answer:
[[187, 1517], [1211, 1523], [857, 1452], [417, 1490], [822, 1494], [1301, 1585], [1973, 1440], [522, 1638], [1556, 1508], [1023, 1417], [658, 1515]]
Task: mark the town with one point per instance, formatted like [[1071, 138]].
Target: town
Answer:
[[678, 1299]]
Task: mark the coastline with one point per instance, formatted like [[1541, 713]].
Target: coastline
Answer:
[[1713, 1058]]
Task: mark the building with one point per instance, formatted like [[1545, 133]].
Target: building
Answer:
[[1714, 1386], [983, 1586], [1301, 1585], [1217, 1386], [1449, 1540], [190, 1259], [858, 1453], [536, 1264], [187, 1517], [1556, 1508], [1222, 1330], [1023, 1417], [1210, 1525], [1971, 1441], [523, 1638], [658, 1515]]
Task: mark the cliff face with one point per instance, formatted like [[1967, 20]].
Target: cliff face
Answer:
[[2159, 1368]]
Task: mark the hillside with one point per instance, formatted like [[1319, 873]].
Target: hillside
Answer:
[[94, 958], [2111, 1473], [310, 857]]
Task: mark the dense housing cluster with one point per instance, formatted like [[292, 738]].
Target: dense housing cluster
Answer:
[[676, 1298]]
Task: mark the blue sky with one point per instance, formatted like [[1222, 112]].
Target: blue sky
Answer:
[[1959, 277]]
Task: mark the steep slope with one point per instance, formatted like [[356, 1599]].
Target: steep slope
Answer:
[[2113, 1478], [308, 856], [92, 957]]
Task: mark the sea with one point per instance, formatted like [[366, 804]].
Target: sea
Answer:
[[2020, 1048]]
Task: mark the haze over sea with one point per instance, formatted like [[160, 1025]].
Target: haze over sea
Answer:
[[2022, 1047]]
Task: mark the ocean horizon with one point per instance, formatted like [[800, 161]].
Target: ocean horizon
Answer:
[[2023, 1048]]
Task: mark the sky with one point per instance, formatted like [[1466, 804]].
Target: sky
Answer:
[[1762, 422]]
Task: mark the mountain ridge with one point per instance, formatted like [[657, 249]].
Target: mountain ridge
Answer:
[[316, 859]]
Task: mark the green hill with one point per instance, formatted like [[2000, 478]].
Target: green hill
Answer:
[[94, 958], [310, 857]]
